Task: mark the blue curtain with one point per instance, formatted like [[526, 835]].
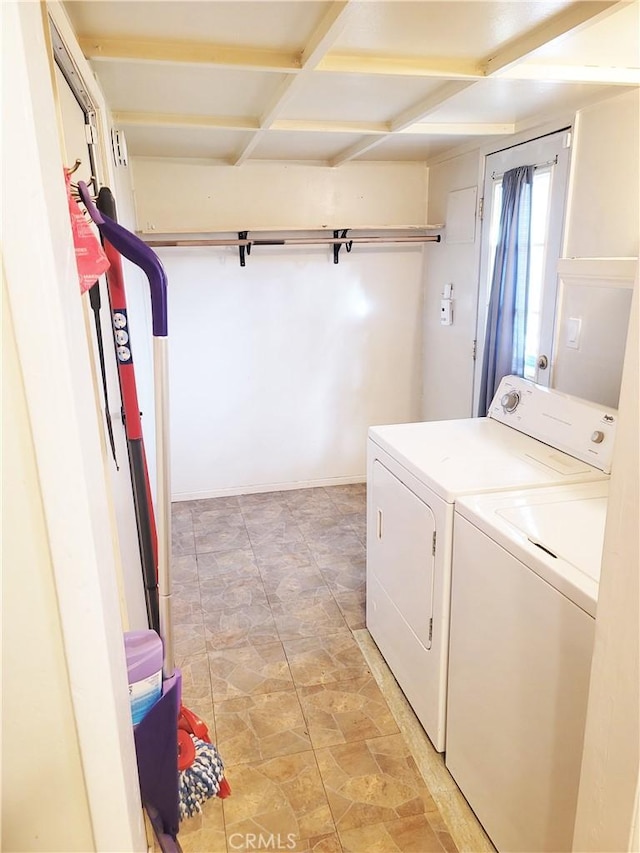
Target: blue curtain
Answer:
[[507, 315]]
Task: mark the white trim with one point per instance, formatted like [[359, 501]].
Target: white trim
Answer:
[[266, 487], [53, 351], [603, 272], [104, 164]]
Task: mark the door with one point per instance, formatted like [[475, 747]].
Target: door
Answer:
[[401, 551], [550, 155]]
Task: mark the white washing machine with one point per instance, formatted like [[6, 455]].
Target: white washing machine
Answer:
[[416, 472], [526, 567]]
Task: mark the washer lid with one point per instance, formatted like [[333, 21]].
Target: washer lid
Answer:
[[572, 530], [558, 533], [477, 455]]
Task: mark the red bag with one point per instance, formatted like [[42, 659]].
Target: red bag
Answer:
[[90, 257]]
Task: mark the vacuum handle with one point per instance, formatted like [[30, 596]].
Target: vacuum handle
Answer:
[[143, 256], [136, 251]]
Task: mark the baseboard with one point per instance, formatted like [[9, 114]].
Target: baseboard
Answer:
[[267, 487]]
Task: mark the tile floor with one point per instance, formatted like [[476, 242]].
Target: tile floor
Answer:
[[268, 591]]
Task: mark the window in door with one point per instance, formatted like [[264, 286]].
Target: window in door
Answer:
[[550, 157], [540, 198]]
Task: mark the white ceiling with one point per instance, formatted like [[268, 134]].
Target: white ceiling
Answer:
[[340, 81]]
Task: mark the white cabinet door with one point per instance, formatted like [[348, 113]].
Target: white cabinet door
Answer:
[[401, 550]]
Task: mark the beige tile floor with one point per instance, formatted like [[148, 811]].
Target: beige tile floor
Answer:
[[269, 613]]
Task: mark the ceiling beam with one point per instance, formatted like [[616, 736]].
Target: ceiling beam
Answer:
[[320, 42], [406, 66], [509, 61], [404, 120], [578, 15], [144, 119], [458, 129], [140, 119], [366, 128], [325, 34], [607, 75], [159, 51], [357, 148], [317, 54], [570, 20], [188, 53], [324, 126], [429, 104], [435, 129]]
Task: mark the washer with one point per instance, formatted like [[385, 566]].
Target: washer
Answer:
[[416, 472], [526, 567]]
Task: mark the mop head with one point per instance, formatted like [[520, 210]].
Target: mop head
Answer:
[[201, 780]]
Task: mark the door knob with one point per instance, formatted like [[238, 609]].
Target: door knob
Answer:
[[543, 362]]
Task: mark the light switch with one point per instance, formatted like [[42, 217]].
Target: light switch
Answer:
[[574, 325]]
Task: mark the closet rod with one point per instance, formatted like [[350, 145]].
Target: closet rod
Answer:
[[298, 241]]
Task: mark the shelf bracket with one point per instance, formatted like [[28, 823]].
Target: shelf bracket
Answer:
[[242, 235], [337, 246]]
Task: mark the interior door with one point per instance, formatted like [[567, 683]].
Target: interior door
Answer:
[[550, 155]]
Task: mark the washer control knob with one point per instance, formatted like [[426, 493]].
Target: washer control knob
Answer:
[[597, 437], [510, 401]]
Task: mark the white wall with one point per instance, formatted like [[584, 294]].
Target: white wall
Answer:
[[190, 196], [447, 354], [278, 368], [607, 802], [53, 353], [38, 726]]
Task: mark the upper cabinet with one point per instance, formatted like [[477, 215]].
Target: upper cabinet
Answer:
[[603, 218]]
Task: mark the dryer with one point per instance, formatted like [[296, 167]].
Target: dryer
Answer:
[[532, 437], [526, 568]]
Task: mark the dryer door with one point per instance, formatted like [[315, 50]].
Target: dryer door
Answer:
[[401, 550]]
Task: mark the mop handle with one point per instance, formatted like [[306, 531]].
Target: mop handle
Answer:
[[132, 248], [142, 499]]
